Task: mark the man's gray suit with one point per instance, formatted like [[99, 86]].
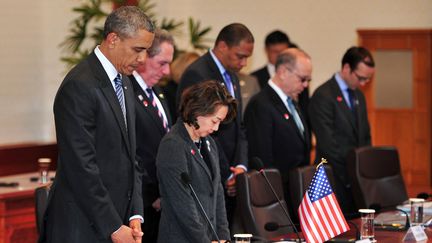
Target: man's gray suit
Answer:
[[97, 185], [181, 219]]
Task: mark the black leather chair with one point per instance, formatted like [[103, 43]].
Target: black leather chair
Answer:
[[257, 205], [300, 179], [41, 200], [376, 178]]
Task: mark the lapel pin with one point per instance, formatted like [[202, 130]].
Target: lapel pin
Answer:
[[161, 96], [125, 87], [145, 103], [192, 152], [140, 97], [339, 99], [286, 116]]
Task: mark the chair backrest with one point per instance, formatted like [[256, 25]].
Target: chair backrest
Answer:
[[41, 200], [376, 177], [258, 205], [300, 179]]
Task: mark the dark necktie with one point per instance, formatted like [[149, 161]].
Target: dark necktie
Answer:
[[295, 115], [159, 113], [353, 103], [120, 95], [228, 83]]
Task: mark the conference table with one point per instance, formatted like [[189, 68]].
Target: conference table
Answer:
[[17, 208], [383, 236]]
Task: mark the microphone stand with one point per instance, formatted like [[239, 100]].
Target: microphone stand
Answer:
[[186, 180], [262, 172]]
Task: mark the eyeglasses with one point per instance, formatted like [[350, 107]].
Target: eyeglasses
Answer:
[[303, 79], [361, 78]]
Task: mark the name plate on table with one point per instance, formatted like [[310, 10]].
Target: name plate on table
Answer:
[[416, 233]]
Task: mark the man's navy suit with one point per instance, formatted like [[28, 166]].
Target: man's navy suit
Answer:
[[149, 133]]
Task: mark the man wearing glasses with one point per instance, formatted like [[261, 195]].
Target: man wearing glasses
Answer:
[[275, 126], [338, 115]]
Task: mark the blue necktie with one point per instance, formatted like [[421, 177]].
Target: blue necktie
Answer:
[[228, 83], [296, 116], [120, 95], [353, 103]]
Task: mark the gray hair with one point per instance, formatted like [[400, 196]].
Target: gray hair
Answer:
[[126, 21], [289, 58], [160, 37]]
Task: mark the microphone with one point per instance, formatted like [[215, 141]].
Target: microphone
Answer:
[[273, 226], [257, 161], [256, 164], [186, 179], [378, 209], [356, 228], [424, 195]]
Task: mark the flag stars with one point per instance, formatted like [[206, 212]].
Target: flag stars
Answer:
[[320, 186]]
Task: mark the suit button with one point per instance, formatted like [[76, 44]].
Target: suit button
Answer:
[[129, 195]]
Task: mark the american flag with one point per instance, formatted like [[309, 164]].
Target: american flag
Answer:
[[320, 216]]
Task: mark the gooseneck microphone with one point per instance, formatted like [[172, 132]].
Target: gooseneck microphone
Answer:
[[356, 228], [379, 209], [260, 167], [186, 179], [273, 226]]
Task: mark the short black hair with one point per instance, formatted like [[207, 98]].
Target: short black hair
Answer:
[[277, 37], [355, 55], [233, 34]]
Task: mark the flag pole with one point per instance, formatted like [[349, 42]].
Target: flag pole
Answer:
[[323, 161]]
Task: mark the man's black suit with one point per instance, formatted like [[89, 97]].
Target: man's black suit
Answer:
[[335, 128], [149, 133], [231, 138], [263, 77], [273, 135], [97, 186]]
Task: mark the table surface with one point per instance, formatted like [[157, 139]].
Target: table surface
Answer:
[[25, 184]]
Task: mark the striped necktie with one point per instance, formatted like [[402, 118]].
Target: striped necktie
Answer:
[[159, 113], [120, 95], [294, 113]]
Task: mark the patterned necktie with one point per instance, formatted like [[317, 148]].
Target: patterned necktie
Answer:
[[120, 95], [153, 102], [228, 83], [296, 116]]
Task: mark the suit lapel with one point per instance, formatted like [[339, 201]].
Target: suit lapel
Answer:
[[146, 105], [284, 113], [196, 157], [108, 91], [342, 105]]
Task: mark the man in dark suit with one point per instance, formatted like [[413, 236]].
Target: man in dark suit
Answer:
[[96, 195], [275, 43], [339, 119], [276, 129], [152, 123], [233, 46]]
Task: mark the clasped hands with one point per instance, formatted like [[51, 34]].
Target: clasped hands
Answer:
[[131, 234]]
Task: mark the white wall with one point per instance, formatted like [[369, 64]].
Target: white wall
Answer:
[[32, 30]]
